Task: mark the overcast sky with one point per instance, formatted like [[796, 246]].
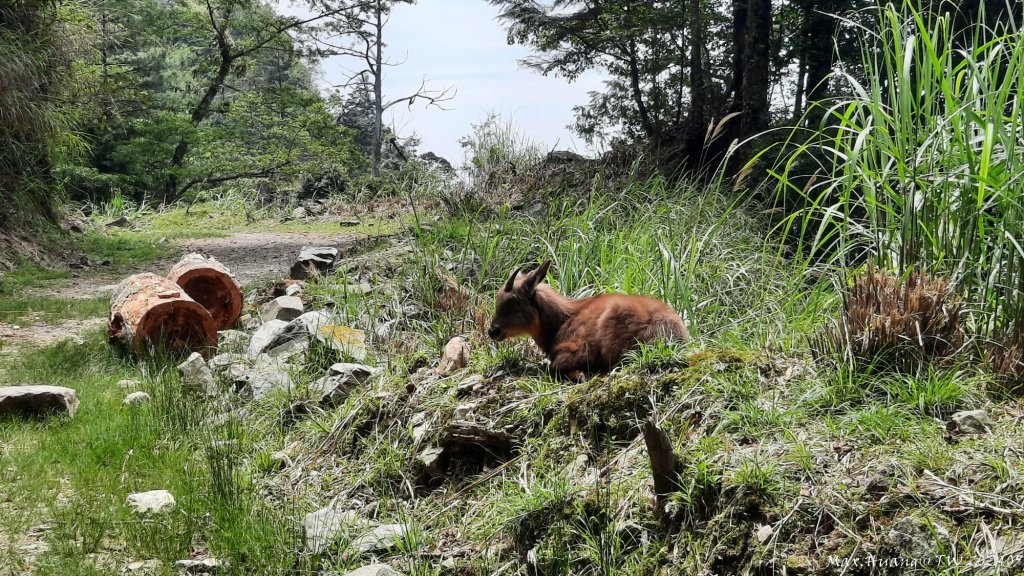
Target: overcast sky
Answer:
[[460, 43]]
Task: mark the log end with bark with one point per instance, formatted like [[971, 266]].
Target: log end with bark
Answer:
[[150, 310], [209, 283]]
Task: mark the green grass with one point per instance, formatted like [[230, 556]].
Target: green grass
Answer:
[[75, 473], [34, 309], [765, 435], [214, 219]]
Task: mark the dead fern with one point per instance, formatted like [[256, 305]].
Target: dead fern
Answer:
[[894, 323]]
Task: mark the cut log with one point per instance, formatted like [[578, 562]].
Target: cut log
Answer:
[[149, 310], [209, 282]]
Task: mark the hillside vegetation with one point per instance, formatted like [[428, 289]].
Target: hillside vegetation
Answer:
[[849, 404]]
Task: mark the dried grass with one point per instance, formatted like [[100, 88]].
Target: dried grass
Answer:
[[894, 322]]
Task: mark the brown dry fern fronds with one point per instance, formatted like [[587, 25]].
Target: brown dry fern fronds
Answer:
[[893, 322]]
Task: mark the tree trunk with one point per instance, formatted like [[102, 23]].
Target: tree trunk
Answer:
[[756, 68], [698, 117], [378, 91], [646, 121], [199, 113], [820, 57], [209, 283], [739, 34], [151, 311]]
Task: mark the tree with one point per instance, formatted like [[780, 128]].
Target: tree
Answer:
[[266, 120], [38, 104], [669, 75], [234, 31], [367, 24]]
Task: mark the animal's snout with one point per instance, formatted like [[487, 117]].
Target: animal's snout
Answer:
[[494, 332]]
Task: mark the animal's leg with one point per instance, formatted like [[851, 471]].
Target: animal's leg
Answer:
[[567, 364]]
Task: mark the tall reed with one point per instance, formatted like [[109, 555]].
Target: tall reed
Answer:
[[923, 164]]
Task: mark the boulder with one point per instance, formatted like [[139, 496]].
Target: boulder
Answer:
[[152, 502], [298, 214], [293, 289], [285, 308], [563, 157], [196, 375], [263, 383], [37, 400], [300, 332], [455, 356], [441, 162], [314, 261]]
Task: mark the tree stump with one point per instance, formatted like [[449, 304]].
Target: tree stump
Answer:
[[209, 283], [148, 309]]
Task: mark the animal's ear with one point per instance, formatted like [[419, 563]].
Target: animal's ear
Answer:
[[536, 277], [512, 280]]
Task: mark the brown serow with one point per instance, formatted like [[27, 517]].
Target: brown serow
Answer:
[[583, 335]]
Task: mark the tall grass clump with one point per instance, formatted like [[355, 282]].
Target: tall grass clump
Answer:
[[921, 167], [36, 63]]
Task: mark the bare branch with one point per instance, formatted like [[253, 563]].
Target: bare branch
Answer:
[[431, 97]]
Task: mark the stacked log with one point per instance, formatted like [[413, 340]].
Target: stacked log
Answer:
[[148, 309], [209, 283]]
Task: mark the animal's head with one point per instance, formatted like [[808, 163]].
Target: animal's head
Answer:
[[515, 311]]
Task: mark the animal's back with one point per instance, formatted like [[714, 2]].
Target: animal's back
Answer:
[[602, 328]]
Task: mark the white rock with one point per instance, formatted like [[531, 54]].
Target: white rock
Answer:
[[324, 526], [136, 398], [263, 383], [196, 375], [204, 566], [293, 290], [38, 400], [266, 334], [285, 308], [128, 384], [152, 502], [382, 537], [374, 570], [313, 260], [970, 422], [764, 533], [232, 342]]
